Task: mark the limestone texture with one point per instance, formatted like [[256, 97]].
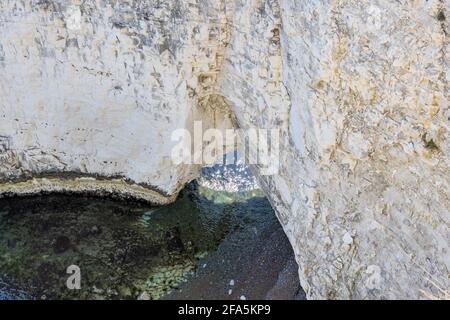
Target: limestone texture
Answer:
[[94, 89]]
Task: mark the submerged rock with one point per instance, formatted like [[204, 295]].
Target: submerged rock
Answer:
[[117, 255], [61, 244], [140, 253]]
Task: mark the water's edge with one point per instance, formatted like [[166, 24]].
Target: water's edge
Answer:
[[201, 246]]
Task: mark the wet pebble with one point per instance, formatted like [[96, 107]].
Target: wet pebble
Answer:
[[61, 244], [12, 243]]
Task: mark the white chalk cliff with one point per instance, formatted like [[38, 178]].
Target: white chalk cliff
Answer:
[[91, 91]]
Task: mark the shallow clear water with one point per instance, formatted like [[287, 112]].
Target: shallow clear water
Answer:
[[122, 248]]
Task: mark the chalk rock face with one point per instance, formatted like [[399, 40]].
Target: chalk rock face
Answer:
[[96, 89], [91, 92], [360, 92]]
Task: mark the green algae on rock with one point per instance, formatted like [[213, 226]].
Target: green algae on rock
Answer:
[[125, 250], [122, 248]]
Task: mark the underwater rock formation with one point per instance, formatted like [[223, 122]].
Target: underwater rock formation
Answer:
[[92, 90]]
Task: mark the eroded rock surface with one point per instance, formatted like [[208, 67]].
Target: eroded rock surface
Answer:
[[96, 88], [359, 90]]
